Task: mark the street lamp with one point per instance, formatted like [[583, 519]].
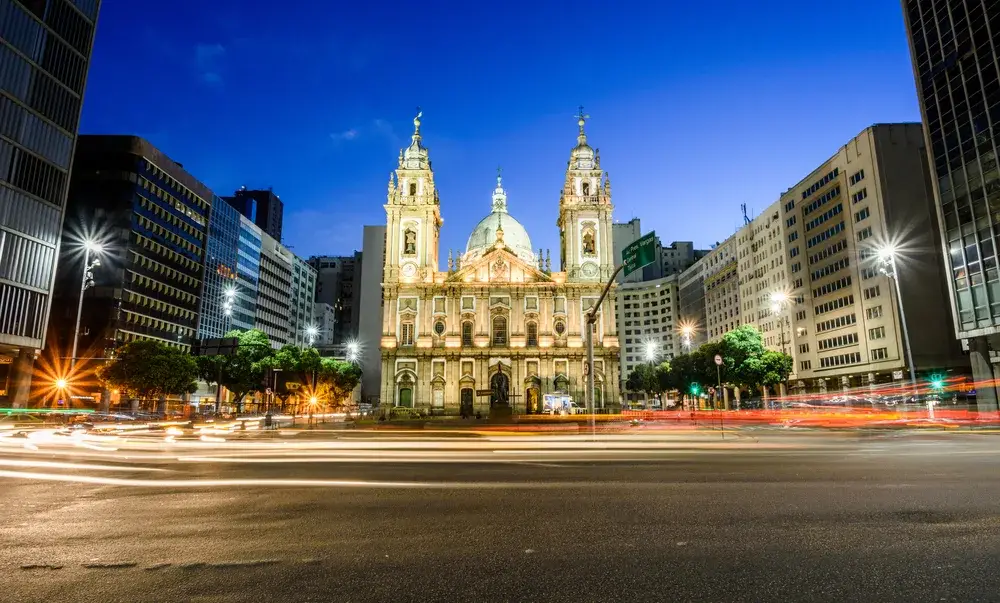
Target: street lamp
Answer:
[[887, 266], [780, 299], [651, 350], [86, 282], [311, 333], [353, 351], [687, 331], [229, 300]]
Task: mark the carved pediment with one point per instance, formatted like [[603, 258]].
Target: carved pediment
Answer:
[[499, 265]]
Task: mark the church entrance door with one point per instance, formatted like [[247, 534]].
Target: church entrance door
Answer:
[[500, 384]]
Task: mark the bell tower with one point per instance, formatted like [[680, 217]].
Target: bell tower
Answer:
[[413, 215], [585, 214]]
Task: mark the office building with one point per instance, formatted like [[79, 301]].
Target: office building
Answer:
[[151, 218], [303, 292], [251, 240], [646, 313], [722, 291], [337, 285], [262, 207], [678, 257], [691, 319], [954, 47], [325, 320], [218, 298], [274, 288], [846, 324], [371, 309], [45, 52], [763, 278]]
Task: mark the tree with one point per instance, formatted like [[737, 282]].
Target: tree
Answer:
[[150, 370], [335, 380], [742, 349], [244, 372], [775, 367]]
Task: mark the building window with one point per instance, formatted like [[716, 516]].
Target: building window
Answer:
[[803, 348], [409, 242], [876, 333], [857, 177], [560, 327], [861, 195], [500, 330], [805, 365], [413, 188], [406, 333], [439, 328], [466, 333], [871, 292], [864, 233], [874, 312], [861, 215], [532, 334], [880, 353]]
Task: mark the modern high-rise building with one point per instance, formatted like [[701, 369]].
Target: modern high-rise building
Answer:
[[302, 296], [221, 253], [338, 285], [691, 318], [251, 239], [151, 219], [371, 309], [325, 320], [954, 46], [647, 314], [45, 52], [262, 207], [846, 326], [274, 302]]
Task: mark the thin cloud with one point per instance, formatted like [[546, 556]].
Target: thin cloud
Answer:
[[208, 60], [346, 135]]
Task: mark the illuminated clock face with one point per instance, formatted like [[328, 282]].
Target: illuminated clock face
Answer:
[[590, 270], [409, 270]]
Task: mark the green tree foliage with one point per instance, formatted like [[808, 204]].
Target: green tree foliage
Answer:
[[244, 372], [148, 370]]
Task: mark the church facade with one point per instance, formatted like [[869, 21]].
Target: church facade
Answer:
[[499, 327]]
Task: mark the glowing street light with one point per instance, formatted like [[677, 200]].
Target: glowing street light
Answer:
[[779, 300], [90, 247], [687, 332], [62, 383], [887, 255], [651, 350], [311, 333], [353, 351]]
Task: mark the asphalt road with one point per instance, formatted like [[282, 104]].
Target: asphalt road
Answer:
[[780, 518]]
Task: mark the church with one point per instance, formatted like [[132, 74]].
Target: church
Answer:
[[499, 329]]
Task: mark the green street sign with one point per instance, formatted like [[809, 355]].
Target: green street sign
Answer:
[[640, 253]]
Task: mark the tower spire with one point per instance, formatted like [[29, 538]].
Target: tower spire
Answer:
[[416, 125], [499, 194], [581, 120]]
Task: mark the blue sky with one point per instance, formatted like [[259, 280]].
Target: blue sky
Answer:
[[696, 107]]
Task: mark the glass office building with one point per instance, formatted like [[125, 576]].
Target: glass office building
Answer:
[[247, 275], [45, 48], [954, 46], [221, 252]]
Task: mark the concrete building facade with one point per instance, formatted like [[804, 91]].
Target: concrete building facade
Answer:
[[763, 278], [371, 308], [647, 313]]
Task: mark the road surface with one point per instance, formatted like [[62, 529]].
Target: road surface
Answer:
[[796, 517]]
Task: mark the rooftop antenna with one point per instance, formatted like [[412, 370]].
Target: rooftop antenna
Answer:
[[746, 218]]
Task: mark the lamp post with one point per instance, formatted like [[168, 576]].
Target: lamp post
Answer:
[[687, 331], [652, 348], [887, 266], [353, 351], [228, 301], [311, 333], [86, 282], [779, 300]]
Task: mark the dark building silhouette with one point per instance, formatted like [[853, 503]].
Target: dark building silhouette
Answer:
[[262, 207], [151, 218], [45, 48], [954, 47]]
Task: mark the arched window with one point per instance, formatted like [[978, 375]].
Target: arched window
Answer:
[[586, 189], [500, 330], [413, 188], [467, 333], [532, 334]]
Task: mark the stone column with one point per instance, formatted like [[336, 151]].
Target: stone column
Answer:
[[982, 374], [20, 378]]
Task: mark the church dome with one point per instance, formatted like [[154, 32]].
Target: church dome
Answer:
[[484, 235]]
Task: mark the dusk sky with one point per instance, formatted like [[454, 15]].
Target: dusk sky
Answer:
[[696, 107]]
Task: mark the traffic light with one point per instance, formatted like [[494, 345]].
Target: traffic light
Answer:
[[937, 382], [695, 390]]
